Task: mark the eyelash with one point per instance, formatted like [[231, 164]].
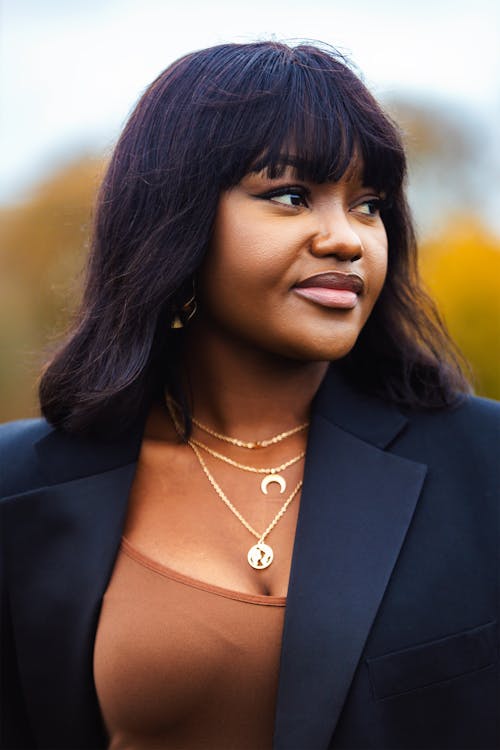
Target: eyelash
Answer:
[[301, 192], [375, 203]]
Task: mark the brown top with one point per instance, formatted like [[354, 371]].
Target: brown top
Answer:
[[182, 664]]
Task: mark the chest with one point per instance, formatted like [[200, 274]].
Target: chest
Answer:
[[177, 518]]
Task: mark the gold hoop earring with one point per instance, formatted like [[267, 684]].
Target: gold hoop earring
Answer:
[[186, 312]]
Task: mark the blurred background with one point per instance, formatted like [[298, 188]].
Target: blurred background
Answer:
[[70, 73]]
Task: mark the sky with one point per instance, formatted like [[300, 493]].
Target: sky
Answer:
[[71, 70]]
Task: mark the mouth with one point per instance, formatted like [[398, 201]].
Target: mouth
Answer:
[[334, 289]]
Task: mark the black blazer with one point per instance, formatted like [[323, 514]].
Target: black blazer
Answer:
[[391, 626]]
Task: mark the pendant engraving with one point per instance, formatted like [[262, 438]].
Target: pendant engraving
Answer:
[[269, 479], [260, 556]]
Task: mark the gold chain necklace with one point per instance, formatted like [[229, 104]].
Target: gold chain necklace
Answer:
[[272, 473], [241, 443], [260, 555], [254, 444]]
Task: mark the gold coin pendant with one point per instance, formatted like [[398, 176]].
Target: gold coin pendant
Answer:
[[260, 556]]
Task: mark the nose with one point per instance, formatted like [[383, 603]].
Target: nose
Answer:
[[337, 237]]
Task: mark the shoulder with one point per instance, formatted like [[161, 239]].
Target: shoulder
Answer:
[[23, 432], [35, 454], [479, 409], [463, 438], [18, 459], [483, 409], [478, 418]]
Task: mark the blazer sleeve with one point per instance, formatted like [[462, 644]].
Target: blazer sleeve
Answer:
[[14, 723]]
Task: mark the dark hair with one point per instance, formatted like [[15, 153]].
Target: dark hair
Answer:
[[206, 121]]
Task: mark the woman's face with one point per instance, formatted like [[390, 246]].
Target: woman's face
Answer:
[[294, 267]]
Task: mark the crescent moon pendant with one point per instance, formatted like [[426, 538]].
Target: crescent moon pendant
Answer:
[[269, 479]]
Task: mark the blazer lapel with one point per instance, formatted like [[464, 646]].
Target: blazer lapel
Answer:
[[59, 567], [357, 503]]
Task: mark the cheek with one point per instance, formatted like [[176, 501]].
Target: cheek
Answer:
[[380, 273], [233, 272], [377, 266], [244, 258]]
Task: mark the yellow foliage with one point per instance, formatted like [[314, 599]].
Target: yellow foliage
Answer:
[[461, 269], [43, 245]]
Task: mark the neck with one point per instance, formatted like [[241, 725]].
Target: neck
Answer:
[[246, 392]]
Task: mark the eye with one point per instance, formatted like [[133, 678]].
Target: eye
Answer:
[[287, 196], [369, 206]]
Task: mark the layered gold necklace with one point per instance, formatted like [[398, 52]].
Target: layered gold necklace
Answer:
[[260, 555]]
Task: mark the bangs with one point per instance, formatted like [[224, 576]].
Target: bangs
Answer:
[[312, 113]]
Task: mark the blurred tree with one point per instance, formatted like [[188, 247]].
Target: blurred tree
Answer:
[[430, 132], [43, 244], [449, 161]]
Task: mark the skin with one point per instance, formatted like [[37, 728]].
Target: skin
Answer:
[[264, 243], [255, 354]]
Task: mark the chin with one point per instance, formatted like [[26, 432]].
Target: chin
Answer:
[[319, 340], [321, 350]]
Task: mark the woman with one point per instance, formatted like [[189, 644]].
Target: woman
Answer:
[[259, 510]]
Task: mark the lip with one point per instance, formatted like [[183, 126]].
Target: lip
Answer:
[[350, 282], [334, 289]]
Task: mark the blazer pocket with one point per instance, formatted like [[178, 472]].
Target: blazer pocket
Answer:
[[434, 661]]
